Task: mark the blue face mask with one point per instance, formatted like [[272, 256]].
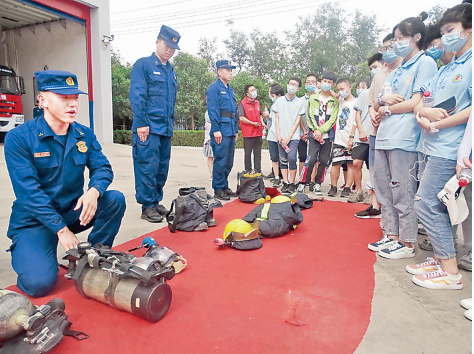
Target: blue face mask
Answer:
[[291, 89], [359, 91], [389, 56], [403, 48], [343, 94], [310, 88], [273, 99], [254, 94], [373, 72], [325, 86], [435, 53], [453, 42]]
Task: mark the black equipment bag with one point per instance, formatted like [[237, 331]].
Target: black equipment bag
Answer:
[[250, 187], [192, 207]]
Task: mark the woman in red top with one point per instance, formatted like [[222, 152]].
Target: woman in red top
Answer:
[[251, 124]]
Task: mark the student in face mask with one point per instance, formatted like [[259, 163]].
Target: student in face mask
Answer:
[[433, 46], [321, 117], [274, 92], [288, 111], [392, 61], [310, 86], [251, 124], [376, 63], [397, 139], [442, 134]]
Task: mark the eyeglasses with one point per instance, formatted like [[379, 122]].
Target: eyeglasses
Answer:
[[401, 38], [384, 49]]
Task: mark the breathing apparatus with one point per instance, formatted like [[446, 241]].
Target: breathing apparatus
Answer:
[[124, 281]]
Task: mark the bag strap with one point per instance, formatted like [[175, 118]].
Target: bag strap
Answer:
[[173, 220]]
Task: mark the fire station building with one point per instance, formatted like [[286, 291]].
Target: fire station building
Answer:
[[71, 35]]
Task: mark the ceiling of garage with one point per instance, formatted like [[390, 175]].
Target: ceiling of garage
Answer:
[[14, 14]]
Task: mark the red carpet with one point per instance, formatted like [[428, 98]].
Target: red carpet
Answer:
[[230, 301]]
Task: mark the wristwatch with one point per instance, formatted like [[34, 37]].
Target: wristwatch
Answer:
[[433, 129], [387, 111], [351, 136]]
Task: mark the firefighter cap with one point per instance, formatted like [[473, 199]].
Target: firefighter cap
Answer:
[[57, 81]]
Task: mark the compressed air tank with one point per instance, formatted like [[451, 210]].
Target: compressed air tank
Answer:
[[15, 308]]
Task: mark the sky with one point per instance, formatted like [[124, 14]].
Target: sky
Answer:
[[135, 24]]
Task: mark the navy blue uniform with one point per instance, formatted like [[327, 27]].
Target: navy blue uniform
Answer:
[[47, 174], [220, 105], [153, 88]]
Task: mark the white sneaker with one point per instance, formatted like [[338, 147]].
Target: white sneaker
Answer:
[[397, 251], [384, 242], [466, 303], [439, 280], [468, 314], [317, 188], [429, 265]]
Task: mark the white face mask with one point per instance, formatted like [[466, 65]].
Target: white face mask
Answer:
[[291, 89], [254, 94]]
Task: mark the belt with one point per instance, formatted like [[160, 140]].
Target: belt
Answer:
[[227, 114]]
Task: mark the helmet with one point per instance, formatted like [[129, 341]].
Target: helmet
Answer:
[[239, 230], [280, 199]]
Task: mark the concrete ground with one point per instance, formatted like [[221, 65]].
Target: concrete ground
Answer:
[[405, 318]]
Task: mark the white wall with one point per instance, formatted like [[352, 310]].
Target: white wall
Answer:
[[60, 49]]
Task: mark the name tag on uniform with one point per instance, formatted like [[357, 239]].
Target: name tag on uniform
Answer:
[[223, 92], [42, 154], [156, 73]]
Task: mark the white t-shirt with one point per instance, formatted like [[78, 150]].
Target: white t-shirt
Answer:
[[345, 121], [323, 103], [287, 111]]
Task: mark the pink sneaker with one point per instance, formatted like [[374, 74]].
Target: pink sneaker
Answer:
[[429, 265], [439, 280]]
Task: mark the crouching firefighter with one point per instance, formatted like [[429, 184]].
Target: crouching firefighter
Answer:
[[46, 158]]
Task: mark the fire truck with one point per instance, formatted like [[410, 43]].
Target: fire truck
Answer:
[[11, 109]]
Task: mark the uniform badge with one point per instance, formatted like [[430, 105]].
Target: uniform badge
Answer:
[[81, 146], [457, 78], [70, 81], [409, 80], [42, 154], [175, 39], [156, 73]]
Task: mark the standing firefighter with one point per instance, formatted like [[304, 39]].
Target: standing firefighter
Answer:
[[153, 88], [222, 109]]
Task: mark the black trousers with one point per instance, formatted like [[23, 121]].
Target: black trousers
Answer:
[[253, 144], [318, 152]]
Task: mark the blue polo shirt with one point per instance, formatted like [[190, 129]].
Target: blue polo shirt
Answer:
[[453, 79], [153, 89], [221, 99], [401, 131], [47, 172]]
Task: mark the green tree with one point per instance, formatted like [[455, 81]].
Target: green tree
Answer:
[[435, 14], [193, 81], [122, 111], [267, 58], [207, 51], [237, 48]]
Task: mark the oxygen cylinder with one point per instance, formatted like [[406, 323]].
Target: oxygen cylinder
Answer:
[[149, 302], [15, 309]]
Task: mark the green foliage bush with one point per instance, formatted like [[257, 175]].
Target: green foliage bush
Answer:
[[193, 138]]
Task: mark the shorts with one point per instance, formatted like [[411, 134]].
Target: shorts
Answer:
[[273, 150], [341, 155], [360, 151], [207, 149], [302, 150]]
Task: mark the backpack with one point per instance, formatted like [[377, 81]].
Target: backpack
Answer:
[[250, 187], [193, 207]]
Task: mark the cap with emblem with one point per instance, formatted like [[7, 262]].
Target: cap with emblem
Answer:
[[57, 81], [224, 64], [170, 36]]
